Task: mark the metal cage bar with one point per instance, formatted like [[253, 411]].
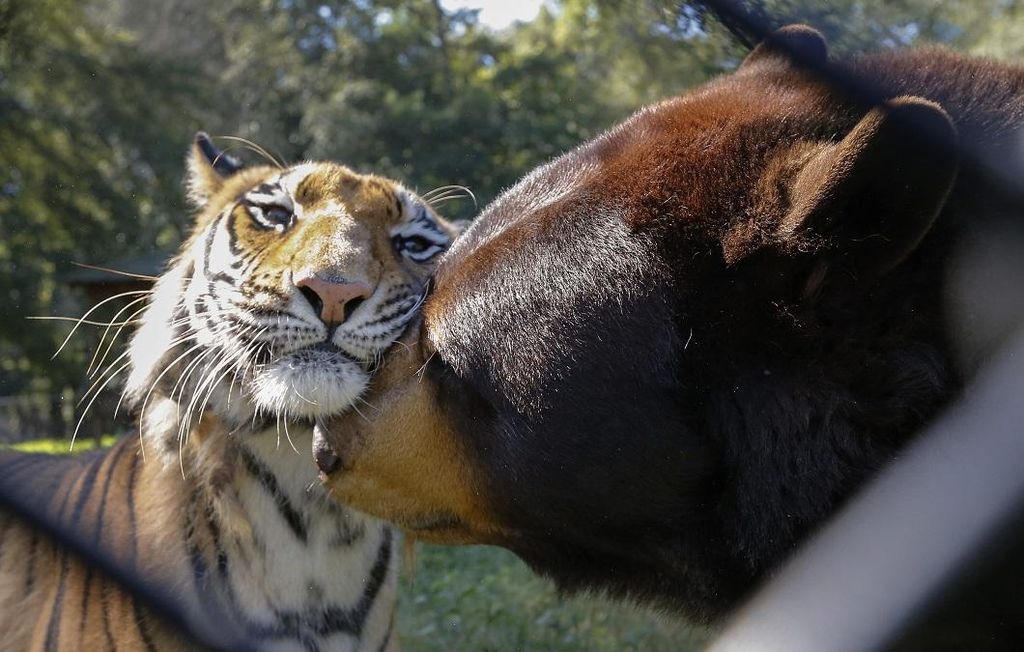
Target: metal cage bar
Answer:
[[886, 556], [911, 532]]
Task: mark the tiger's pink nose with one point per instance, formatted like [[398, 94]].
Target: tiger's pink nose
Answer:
[[332, 297]]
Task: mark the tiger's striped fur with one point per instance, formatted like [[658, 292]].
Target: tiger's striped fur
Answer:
[[230, 369]]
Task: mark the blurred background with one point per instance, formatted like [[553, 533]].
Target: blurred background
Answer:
[[99, 100]]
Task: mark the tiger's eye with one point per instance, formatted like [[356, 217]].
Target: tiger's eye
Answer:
[[415, 244], [278, 215]]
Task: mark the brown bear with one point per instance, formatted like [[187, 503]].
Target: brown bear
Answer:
[[659, 361]]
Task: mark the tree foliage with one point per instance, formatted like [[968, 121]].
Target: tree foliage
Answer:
[[89, 165], [98, 101]]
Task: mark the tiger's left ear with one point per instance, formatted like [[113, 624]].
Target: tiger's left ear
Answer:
[[207, 168]]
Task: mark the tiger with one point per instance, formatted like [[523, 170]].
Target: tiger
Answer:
[[272, 317]]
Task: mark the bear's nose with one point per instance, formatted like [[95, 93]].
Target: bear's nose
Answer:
[[326, 459], [334, 298]]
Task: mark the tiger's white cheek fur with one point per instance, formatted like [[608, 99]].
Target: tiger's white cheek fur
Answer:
[[149, 343]]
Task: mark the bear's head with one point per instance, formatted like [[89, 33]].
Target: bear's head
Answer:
[[658, 361]]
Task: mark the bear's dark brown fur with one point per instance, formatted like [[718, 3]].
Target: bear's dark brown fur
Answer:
[[658, 362]]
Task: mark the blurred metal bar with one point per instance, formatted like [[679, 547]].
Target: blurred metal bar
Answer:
[[214, 633], [902, 540], [882, 561]]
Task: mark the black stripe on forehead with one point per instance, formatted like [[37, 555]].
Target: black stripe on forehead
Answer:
[[265, 192], [425, 218], [211, 235], [423, 223], [319, 182]]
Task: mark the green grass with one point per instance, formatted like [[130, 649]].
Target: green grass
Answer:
[[483, 599], [62, 446]]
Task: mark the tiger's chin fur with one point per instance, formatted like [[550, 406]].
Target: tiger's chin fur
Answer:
[[272, 317], [333, 382]]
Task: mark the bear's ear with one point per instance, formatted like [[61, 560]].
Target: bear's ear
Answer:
[[207, 168], [805, 43], [866, 202]]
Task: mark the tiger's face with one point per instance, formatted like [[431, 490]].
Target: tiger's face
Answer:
[[288, 291]]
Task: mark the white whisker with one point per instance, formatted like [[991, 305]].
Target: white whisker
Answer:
[[81, 419], [93, 363], [144, 277], [156, 381], [78, 320], [288, 436], [93, 309], [248, 144]]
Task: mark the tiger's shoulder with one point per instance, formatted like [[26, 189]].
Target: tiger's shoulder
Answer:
[[49, 590]]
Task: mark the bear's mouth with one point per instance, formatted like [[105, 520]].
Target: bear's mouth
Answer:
[[334, 455]]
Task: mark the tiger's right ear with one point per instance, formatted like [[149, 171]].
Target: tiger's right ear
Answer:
[[207, 168]]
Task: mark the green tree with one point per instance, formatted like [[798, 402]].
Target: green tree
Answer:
[[88, 167], [98, 100]]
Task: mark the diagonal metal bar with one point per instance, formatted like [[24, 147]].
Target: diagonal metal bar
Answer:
[[916, 529], [888, 554], [204, 635]]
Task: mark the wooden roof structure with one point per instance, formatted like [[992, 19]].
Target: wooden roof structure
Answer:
[[104, 280]]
